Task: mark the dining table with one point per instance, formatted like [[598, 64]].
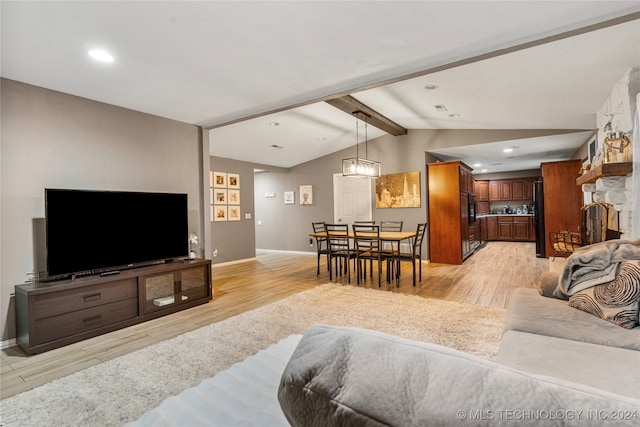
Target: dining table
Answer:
[[394, 237]]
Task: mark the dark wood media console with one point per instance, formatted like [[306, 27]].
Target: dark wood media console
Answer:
[[53, 314]]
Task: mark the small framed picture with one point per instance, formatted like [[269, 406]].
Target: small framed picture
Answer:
[[234, 213], [219, 196], [306, 194], [289, 198], [233, 197], [219, 180], [220, 213], [233, 180]]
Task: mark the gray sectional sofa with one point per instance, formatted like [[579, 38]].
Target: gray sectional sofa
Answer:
[[557, 365]]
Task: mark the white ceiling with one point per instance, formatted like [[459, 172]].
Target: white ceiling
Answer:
[[214, 62]]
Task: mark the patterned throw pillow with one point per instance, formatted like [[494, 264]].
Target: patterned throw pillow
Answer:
[[617, 301]]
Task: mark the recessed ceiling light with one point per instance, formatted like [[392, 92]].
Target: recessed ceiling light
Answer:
[[276, 146], [454, 115], [507, 150], [322, 138], [440, 107], [477, 165], [483, 170], [274, 124], [431, 87], [100, 55]]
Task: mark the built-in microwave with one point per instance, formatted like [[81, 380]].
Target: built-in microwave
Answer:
[[472, 209]]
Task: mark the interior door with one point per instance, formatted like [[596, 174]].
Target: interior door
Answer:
[[352, 199]]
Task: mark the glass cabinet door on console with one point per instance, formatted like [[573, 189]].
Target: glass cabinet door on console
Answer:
[[160, 291], [192, 283], [176, 287]]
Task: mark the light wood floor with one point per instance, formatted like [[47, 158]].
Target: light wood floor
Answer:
[[487, 278]]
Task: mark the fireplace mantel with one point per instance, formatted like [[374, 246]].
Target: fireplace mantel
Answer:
[[605, 169]]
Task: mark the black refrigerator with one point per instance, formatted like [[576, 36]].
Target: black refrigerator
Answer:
[[538, 219]]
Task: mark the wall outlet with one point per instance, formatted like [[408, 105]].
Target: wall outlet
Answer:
[[215, 253], [310, 241]]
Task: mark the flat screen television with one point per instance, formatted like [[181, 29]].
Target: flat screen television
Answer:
[[96, 232]]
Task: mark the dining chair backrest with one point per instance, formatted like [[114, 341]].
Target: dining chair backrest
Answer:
[[391, 225], [338, 235], [318, 227], [366, 236], [417, 241], [364, 222]]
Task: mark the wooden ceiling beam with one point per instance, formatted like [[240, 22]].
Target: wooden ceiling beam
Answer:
[[352, 106]]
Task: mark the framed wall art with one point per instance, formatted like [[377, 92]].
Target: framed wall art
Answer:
[[289, 198], [306, 194], [234, 213], [398, 190], [233, 180], [219, 179], [220, 213], [233, 197], [219, 196]]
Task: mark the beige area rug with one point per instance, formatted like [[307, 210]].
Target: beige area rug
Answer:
[[121, 390]]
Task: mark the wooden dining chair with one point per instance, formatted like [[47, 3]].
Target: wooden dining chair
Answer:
[[340, 250], [414, 255], [322, 244], [367, 248]]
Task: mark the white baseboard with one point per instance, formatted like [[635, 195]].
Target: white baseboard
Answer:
[[238, 261], [286, 252], [7, 343]]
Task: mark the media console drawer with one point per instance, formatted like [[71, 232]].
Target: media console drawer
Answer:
[[81, 321], [53, 304]]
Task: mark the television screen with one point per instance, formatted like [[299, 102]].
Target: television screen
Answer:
[[90, 232]]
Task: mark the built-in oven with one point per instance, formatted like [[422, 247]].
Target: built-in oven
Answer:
[[472, 209]]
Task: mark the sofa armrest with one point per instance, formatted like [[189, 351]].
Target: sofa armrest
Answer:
[[347, 376]]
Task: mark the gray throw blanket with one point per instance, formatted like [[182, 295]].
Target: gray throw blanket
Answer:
[[595, 264]]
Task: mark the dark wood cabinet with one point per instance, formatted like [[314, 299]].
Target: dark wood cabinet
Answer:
[[501, 189], [53, 314], [492, 228], [521, 228], [449, 185], [484, 232], [523, 188], [563, 199], [505, 228], [520, 189], [494, 190], [481, 191]]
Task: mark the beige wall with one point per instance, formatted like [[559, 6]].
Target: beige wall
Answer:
[[51, 139]]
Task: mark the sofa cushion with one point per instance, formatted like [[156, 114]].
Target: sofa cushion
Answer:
[[354, 377], [616, 301], [608, 368], [530, 312]]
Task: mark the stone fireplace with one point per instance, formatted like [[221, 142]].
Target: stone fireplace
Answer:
[[617, 183]]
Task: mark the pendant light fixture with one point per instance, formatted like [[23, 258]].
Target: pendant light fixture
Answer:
[[357, 166]]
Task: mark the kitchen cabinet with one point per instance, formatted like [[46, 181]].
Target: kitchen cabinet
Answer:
[[505, 228], [501, 189], [449, 185], [523, 188], [520, 230], [484, 234], [520, 189], [492, 228], [481, 191]]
